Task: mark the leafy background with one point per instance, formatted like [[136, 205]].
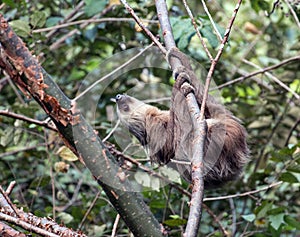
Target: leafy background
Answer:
[[261, 36]]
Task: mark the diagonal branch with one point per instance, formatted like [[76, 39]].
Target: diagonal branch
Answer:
[[77, 134], [197, 30], [145, 29]]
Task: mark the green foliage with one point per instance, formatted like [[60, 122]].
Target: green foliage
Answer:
[[270, 113]]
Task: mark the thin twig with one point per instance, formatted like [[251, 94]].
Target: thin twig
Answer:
[[67, 18], [27, 119], [263, 70], [233, 211], [275, 79], [291, 131], [145, 29], [117, 153], [242, 194], [10, 187], [216, 220], [88, 21], [9, 202], [72, 200], [16, 91], [115, 226], [112, 72], [293, 13], [8, 153], [57, 43], [197, 30], [89, 210], [112, 131], [214, 62], [83, 25], [212, 21]]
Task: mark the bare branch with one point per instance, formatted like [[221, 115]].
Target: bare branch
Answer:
[[112, 72], [212, 21], [45, 124], [215, 61], [200, 128], [215, 218], [7, 231], [115, 226], [145, 29], [77, 134], [263, 70], [88, 21], [275, 79], [242, 194], [7, 204], [68, 17], [293, 13], [197, 30], [10, 187]]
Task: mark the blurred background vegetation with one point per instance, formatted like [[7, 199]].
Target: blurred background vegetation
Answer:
[[265, 33]]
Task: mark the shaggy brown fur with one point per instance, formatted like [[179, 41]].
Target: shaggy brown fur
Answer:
[[169, 134]]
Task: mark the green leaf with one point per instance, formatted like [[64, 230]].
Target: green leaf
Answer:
[[183, 31], [258, 5], [21, 28], [38, 19], [292, 221], [52, 21], [93, 7], [65, 217], [9, 3], [276, 220], [208, 33], [249, 217], [175, 222], [276, 211], [288, 177], [261, 211], [295, 169]]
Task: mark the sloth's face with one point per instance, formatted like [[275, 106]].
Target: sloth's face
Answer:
[[132, 113], [130, 110], [123, 102]]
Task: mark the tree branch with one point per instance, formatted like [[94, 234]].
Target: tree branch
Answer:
[[200, 129], [44, 124], [145, 29], [197, 29], [263, 70], [77, 134]]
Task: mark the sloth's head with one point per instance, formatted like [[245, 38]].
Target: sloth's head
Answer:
[[132, 113]]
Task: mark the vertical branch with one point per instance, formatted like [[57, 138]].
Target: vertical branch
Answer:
[[200, 129], [215, 61]]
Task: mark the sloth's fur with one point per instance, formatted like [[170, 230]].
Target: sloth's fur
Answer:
[[169, 134]]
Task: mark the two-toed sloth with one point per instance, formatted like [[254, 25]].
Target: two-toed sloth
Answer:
[[169, 134]]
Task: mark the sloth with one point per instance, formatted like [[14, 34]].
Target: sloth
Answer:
[[168, 135]]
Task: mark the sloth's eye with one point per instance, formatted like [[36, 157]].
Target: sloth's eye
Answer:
[[118, 97]]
